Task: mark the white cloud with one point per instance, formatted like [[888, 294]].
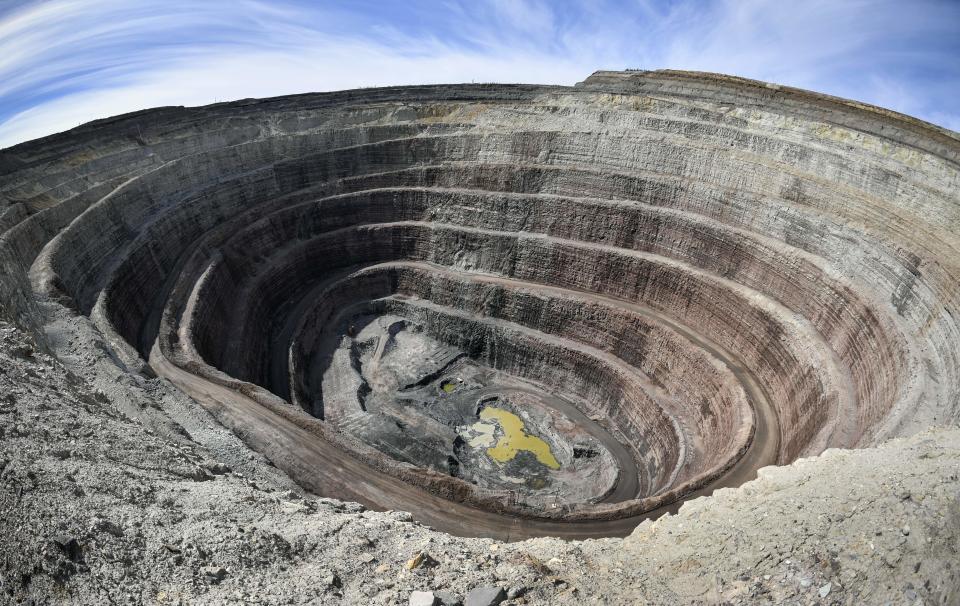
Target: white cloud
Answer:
[[64, 62], [236, 75]]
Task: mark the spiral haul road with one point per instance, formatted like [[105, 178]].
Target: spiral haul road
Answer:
[[513, 311]]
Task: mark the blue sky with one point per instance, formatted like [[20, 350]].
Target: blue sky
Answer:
[[65, 62]]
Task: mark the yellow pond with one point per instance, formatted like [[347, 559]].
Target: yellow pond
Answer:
[[514, 439]]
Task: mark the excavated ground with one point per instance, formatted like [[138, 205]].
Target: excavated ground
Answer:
[[512, 311]]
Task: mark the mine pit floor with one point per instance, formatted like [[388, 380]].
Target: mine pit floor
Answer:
[[394, 387]]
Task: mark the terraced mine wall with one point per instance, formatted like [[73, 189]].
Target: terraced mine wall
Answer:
[[723, 274]]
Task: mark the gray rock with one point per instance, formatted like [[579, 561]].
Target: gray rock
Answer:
[[422, 598], [61, 453], [487, 595], [825, 590], [332, 580], [216, 468], [101, 525], [70, 547], [23, 351], [448, 598], [200, 474], [214, 574], [402, 516]]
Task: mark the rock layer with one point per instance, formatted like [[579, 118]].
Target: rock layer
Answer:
[[725, 274]]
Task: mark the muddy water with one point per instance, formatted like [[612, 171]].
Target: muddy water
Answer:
[[514, 439]]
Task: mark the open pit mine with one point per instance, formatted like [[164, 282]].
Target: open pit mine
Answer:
[[511, 310]]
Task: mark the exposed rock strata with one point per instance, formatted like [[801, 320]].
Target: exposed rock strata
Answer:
[[727, 274]]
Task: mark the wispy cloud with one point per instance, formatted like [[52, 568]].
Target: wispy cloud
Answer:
[[63, 62]]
